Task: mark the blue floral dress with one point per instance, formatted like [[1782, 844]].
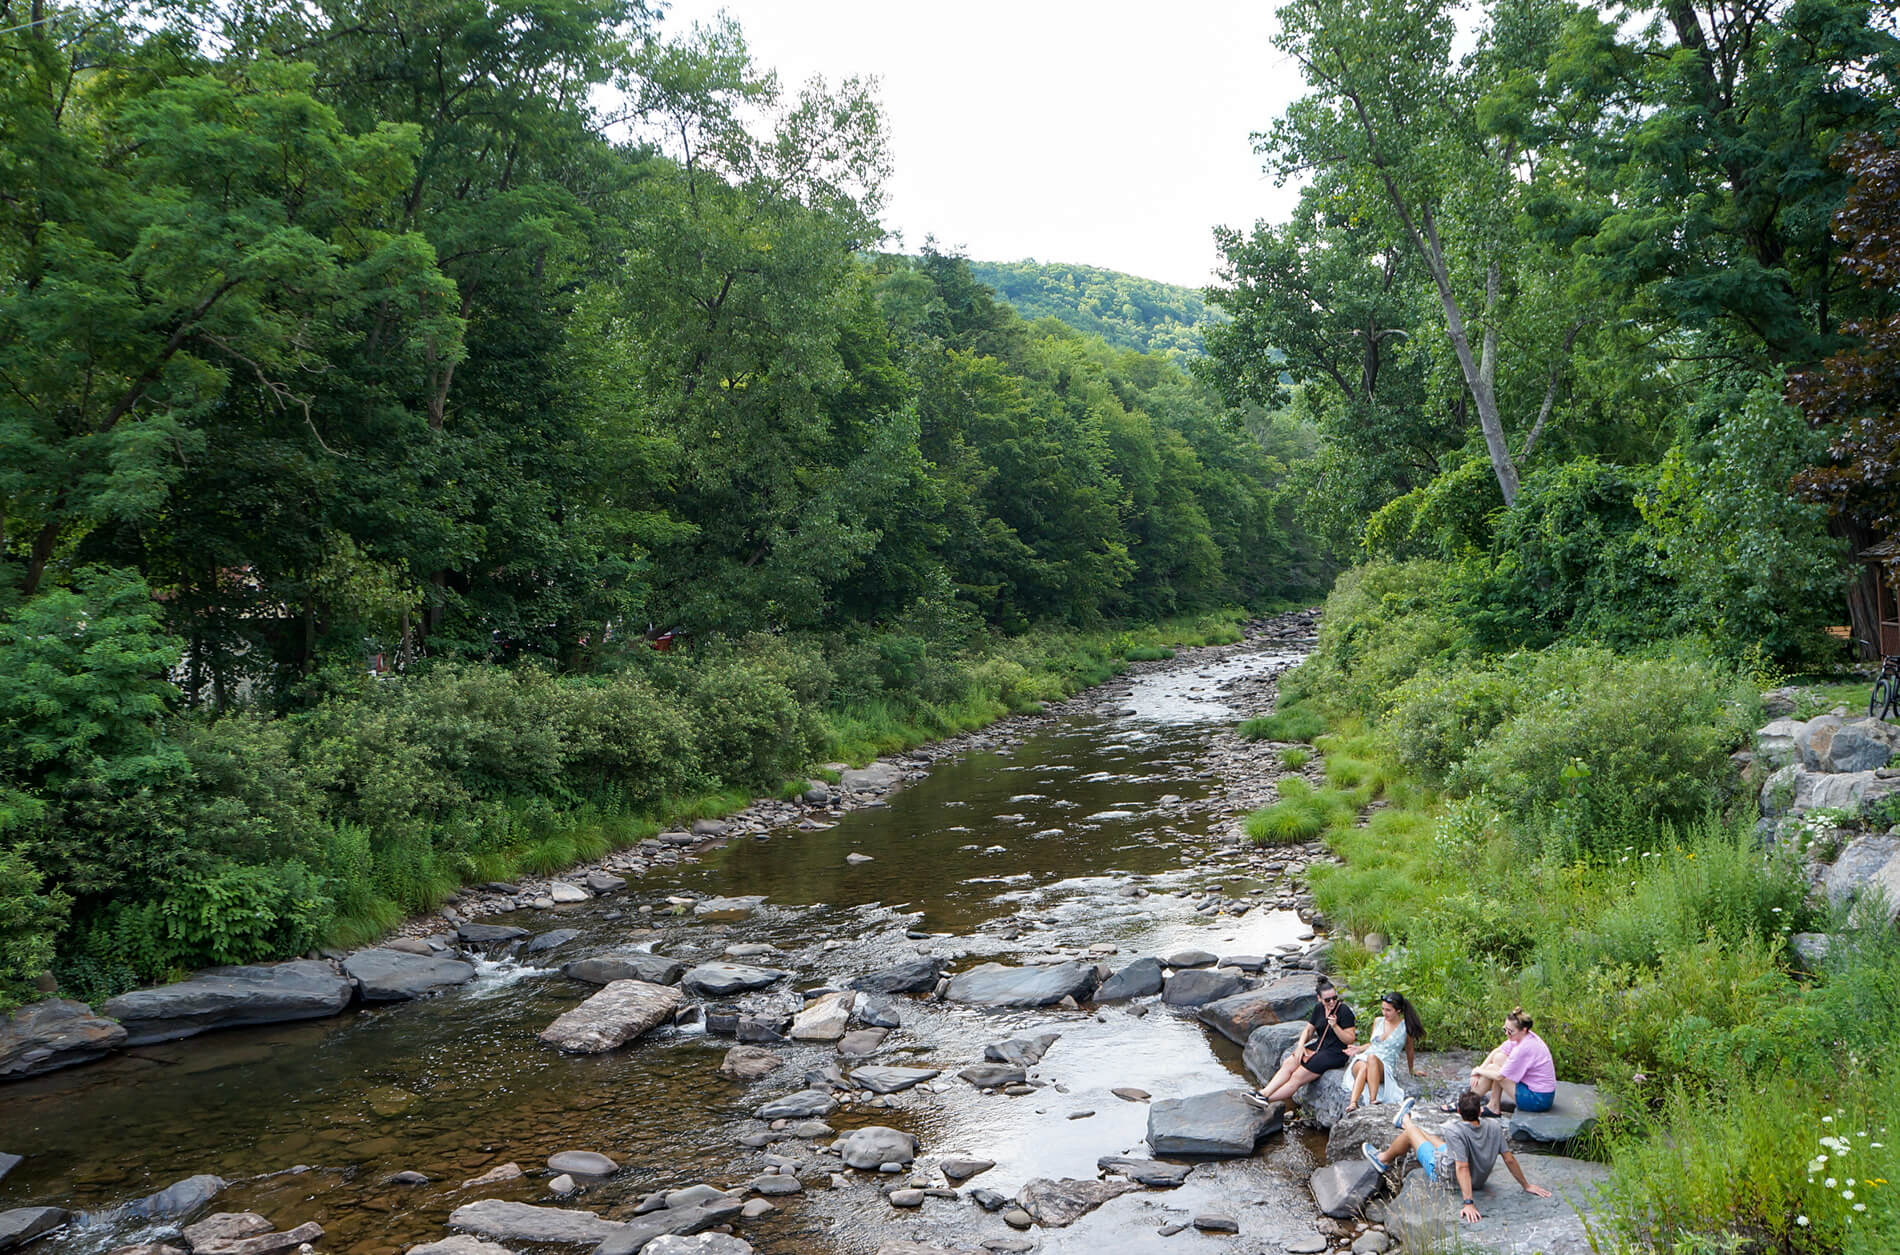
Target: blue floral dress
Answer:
[[1388, 1047]]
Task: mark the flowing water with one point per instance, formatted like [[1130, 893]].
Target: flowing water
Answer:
[[1011, 855]]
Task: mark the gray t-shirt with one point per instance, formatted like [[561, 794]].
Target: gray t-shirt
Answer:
[[1479, 1147]]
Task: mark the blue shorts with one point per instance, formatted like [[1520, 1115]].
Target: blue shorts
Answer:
[[1428, 1160], [1529, 1099]]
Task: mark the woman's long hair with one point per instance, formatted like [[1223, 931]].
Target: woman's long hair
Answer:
[[1414, 1029]]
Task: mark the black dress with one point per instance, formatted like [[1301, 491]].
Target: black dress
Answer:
[[1329, 1052]]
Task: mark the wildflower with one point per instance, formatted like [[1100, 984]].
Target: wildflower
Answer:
[[1860, 1207], [1829, 1183], [1802, 1221], [1847, 1195], [1827, 1119]]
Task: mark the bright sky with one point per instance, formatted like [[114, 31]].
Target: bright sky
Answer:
[[1103, 132]]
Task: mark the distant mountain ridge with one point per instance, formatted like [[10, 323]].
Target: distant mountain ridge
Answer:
[[1126, 311]]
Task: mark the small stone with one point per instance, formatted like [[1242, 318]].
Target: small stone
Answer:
[[507, 1172], [406, 1177], [1214, 1222], [1130, 1094], [756, 1207], [906, 1198], [1017, 1218], [563, 1184]]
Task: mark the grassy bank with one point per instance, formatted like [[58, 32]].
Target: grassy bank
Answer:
[[1563, 830], [257, 836]]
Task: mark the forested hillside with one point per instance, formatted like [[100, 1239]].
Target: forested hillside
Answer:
[[1127, 312], [338, 339]]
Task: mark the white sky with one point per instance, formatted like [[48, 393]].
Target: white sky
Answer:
[[1103, 132]]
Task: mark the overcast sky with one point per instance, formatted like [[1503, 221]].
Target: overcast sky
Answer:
[[1105, 132]]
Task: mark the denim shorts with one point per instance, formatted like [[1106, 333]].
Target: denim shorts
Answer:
[[1529, 1099]]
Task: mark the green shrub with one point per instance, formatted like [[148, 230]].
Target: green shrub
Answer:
[[1639, 736], [1290, 723], [1147, 653], [620, 731], [30, 917], [1301, 814], [1293, 757]]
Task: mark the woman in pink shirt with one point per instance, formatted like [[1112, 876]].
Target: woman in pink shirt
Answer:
[[1522, 1061]]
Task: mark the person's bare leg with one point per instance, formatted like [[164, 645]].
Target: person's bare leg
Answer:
[[1280, 1075], [1284, 1091], [1357, 1071], [1406, 1142]]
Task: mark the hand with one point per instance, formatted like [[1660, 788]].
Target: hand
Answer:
[[1469, 1213], [1538, 1190]]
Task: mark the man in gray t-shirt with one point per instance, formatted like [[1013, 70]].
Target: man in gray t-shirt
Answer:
[[1458, 1156]]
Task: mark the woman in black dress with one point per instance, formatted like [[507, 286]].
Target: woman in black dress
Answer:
[[1321, 1047]]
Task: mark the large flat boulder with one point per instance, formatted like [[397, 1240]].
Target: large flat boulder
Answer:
[[1853, 791], [1150, 1172], [604, 969], [393, 976], [1369, 1124], [1137, 980], [724, 980], [56, 1033], [637, 1232], [231, 997], [1221, 1123], [176, 1201], [1342, 1189], [799, 1106], [613, 1017], [994, 985], [524, 1222], [1199, 986], [1862, 745], [1572, 1114], [912, 976], [1288, 1000], [1055, 1204], [1425, 1214], [886, 1080]]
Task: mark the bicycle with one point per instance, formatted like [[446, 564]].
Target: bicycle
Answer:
[[1884, 701]]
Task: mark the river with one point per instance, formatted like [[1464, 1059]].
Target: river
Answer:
[[1088, 829]]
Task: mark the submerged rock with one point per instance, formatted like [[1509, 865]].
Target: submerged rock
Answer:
[[639, 1233], [1150, 1172], [523, 1222], [874, 1145], [604, 969], [749, 1063], [1060, 1203], [885, 1080], [1024, 1052], [806, 1102]]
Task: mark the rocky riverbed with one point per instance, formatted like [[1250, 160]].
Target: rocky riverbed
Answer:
[[959, 999]]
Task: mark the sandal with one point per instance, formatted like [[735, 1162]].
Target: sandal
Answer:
[[1489, 1114], [1449, 1108]]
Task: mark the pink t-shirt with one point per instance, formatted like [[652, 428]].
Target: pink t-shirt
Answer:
[[1530, 1062]]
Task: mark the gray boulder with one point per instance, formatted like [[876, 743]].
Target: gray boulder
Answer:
[[723, 980], [1024, 1052], [23, 1224], [1183, 959], [798, 1106], [1056, 1204], [873, 777], [1266, 1047], [488, 934], [613, 1017], [1288, 1000], [1368, 1124], [523, 1222], [1777, 791], [882, 1080], [550, 940], [729, 906], [874, 1145], [1775, 744], [8, 1163], [229, 997], [1137, 980], [394, 976], [1868, 863], [878, 1011], [602, 969], [1424, 1213], [1853, 791], [1323, 1101], [1863, 745], [1150, 1172], [749, 1063], [825, 1017], [993, 1075], [1221, 1123], [1342, 1189], [1199, 986], [638, 1233], [56, 1033], [176, 1201], [1812, 740], [1572, 1114], [1811, 949], [914, 976], [994, 985]]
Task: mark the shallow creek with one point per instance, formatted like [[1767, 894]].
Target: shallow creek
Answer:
[[1011, 855]]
